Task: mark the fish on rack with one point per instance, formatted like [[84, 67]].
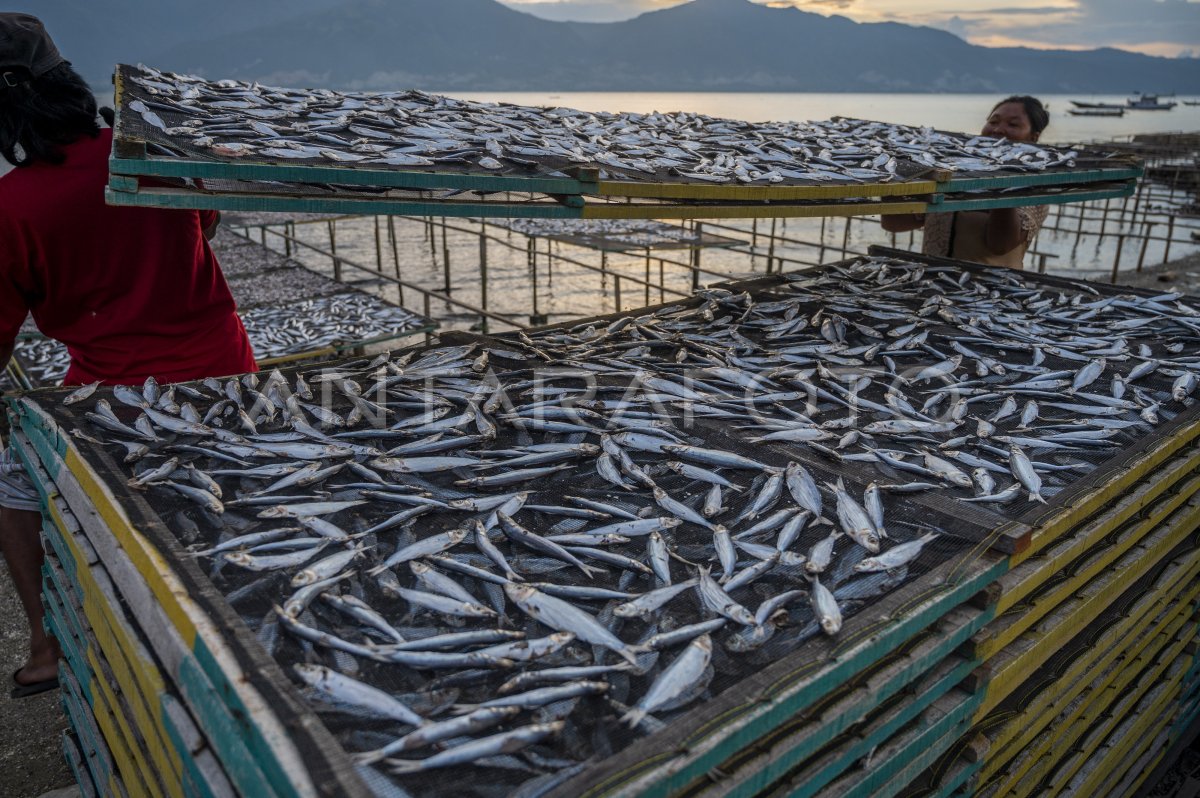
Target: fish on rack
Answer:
[[437, 520], [414, 130]]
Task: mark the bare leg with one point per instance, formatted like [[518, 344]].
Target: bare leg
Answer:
[[23, 553]]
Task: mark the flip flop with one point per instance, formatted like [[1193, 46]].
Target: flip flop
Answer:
[[25, 690]]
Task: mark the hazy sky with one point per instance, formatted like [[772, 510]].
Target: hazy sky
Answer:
[[1158, 27]]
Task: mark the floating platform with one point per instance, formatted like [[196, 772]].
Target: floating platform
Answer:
[[155, 162], [1080, 616]]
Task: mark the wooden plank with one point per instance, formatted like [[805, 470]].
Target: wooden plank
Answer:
[[214, 675], [154, 166], [1181, 476], [956, 184], [179, 660], [114, 740], [849, 749], [178, 198], [97, 756], [897, 763], [1031, 763], [1081, 557], [737, 192], [773, 757], [75, 761], [143, 695], [1015, 664], [1138, 718], [124, 733], [1016, 731], [1018, 201], [777, 211]]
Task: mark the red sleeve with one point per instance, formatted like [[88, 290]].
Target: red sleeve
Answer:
[[208, 219], [14, 267]]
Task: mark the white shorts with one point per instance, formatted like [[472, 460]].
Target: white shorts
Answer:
[[16, 490]]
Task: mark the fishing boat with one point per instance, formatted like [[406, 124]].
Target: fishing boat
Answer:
[[1086, 105], [1191, 102], [1149, 102], [1108, 111]]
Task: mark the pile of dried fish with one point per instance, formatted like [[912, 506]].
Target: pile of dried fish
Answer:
[[631, 232], [323, 321], [45, 361], [500, 553], [414, 130]]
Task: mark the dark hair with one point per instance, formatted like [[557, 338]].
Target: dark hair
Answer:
[[42, 115], [1039, 117]]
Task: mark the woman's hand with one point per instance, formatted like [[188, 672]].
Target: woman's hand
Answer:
[[1003, 233], [902, 222]]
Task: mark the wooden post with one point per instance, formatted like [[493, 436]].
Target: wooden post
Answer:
[[821, 253], [754, 233], [771, 247], [445, 259], [662, 281], [617, 291], [603, 268], [1079, 227], [1042, 263], [1170, 235], [1147, 231], [483, 277], [289, 231], [378, 248], [337, 263], [1117, 259], [391, 223], [428, 315], [1137, 203], [846, 238], [1104, 219], [429, 231], [549, 263], [696, 257], [646, 302]]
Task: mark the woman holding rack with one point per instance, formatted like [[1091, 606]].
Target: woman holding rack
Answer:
[[998, 237]]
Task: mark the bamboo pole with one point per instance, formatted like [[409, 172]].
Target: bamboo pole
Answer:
[[391, 223], [771, 248], [378, 246], [483, 276], [1148, 229], [647, 286], [1117, 259], [337, 263], [445, 259], [1170, 235]]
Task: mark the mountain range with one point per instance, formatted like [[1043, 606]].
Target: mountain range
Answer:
[[481, 45]]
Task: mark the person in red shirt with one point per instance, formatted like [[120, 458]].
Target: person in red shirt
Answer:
[[131, 292]]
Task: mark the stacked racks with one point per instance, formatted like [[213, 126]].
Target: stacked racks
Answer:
[[863, 711], [244, 147]]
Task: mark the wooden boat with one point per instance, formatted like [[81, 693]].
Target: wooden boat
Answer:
[[1096, 111], [1150, 102], [1082, 104]]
